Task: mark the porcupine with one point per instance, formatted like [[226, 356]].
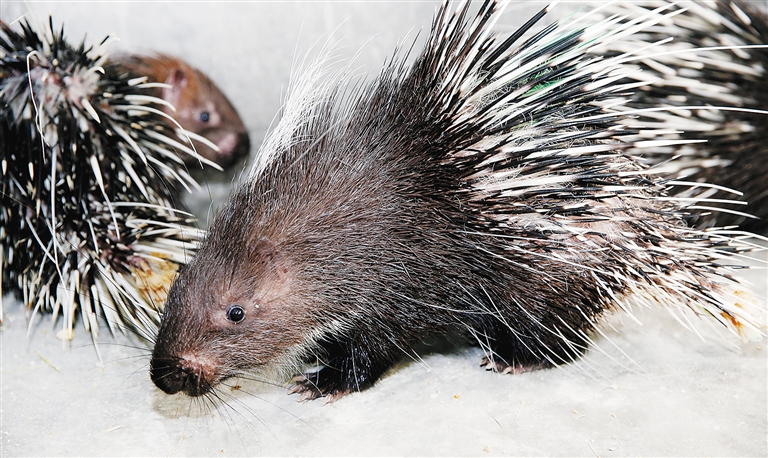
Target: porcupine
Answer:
[[717, 57], [195, 102], [90, 176], [482, 189]]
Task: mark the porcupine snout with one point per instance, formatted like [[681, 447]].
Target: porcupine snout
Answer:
[[172, 375], [232, 147]]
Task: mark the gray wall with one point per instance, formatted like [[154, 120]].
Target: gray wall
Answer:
[[247, 48]]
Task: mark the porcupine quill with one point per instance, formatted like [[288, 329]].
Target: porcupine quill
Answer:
[[90, 179], [715, 55], [483, 189]]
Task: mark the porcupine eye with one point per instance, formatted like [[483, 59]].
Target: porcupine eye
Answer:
[[235, 313], [204, 116]]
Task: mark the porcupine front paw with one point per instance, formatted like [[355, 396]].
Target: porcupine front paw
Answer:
[[320, 384], [348, 368], [329, 383], [502, 367]]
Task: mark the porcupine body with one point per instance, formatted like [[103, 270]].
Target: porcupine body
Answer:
[[89, 186], [716, 58], [482, 189]]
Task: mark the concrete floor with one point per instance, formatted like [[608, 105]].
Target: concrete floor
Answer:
[[654, 389]]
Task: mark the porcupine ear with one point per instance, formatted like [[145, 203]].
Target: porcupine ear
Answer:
[[178, 81]]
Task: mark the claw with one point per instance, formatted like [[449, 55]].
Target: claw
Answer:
[[333, 397], [308, 390], [504, 368]]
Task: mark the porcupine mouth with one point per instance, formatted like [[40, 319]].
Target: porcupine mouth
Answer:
[[173, 375]]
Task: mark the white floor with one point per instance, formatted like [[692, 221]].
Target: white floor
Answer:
[[654, 389], [680, 397]]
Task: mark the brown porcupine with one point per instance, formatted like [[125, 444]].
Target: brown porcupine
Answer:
[[195, 102], [90, 221], [482, 189], [708, 84]]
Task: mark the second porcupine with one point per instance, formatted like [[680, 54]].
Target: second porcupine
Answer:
[[482, 189], [198, 105]]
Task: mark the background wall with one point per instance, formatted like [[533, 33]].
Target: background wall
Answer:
[[247, 48], [651, 389]]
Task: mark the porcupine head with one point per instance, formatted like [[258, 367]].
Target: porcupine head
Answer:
[[202, 108], [363, 226], [198, 105]]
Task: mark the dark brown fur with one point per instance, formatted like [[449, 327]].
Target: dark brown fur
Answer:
[[745, 152], [741, 155]]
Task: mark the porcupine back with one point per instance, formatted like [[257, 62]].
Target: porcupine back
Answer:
[[89, 185], [716, 58], [483, 188]]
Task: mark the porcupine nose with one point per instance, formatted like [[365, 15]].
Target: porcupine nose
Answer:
[[175, 374], [232, 147]]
